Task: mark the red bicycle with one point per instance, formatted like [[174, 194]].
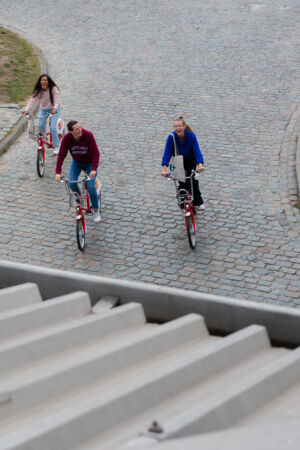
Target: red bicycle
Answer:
[[43, 139], [82, 204], [185, 201]]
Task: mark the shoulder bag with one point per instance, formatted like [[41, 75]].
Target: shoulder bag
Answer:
[[176, 162]]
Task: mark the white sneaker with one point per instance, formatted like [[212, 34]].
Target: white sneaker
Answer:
[[201, 207], [55, 151], [97, 217]]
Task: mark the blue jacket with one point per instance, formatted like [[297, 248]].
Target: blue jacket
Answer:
[[189, 148]]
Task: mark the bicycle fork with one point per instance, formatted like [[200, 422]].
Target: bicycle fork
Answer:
[[80, 216], [188, 213]]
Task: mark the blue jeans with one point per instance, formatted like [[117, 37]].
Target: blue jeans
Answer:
[[53, 124], [75, 169]]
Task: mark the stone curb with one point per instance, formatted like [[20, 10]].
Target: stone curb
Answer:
[[289, 182], [21, 124]]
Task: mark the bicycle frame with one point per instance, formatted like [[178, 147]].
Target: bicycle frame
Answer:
[[82, 201], [42, 140], [186, 198]]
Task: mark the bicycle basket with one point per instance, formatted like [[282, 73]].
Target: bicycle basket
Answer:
[[33, 129], [75, 199], [182, 196]]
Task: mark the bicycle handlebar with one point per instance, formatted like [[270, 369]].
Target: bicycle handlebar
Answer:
[[80, 180], [30, 116], [172, 177]]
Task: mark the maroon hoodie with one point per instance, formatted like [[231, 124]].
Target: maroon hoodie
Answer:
[[84, 150]]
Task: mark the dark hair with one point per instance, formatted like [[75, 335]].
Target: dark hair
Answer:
[[37, 88], [71, 124], [187, 127]]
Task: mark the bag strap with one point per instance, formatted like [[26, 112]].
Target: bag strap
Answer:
[[176, 152]]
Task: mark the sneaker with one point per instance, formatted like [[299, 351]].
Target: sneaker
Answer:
[[201, 207], [97, 217], [55, 151]]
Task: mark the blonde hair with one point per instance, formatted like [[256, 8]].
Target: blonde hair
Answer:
[[187, 127]]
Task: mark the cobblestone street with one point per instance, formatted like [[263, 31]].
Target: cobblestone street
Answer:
[[125, 69]]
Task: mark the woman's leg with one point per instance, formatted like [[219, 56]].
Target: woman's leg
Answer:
[[198, 200], [74, 172], [42, 120], [189, 165], [92, 188], [53, 128]]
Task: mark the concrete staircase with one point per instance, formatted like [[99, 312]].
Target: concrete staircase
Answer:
[[76, 376]]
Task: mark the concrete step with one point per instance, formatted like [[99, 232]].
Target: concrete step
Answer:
[[271, 436], [55, 339], [104, 405], [19, 296], [226, 407], [92, 363], [31, 317], [131, 433]]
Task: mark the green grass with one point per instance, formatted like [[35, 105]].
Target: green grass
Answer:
[[20, 68], [297, 205]]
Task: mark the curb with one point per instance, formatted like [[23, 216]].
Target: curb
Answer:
[[286, 171], [298, 162], [21, 125]]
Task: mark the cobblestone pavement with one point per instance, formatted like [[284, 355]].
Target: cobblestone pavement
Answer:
[[125, 69], [9, 114]]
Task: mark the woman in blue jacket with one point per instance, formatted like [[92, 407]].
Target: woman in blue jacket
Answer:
[[187, 146]]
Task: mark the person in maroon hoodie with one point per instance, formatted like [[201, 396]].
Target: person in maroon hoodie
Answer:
[[84, 151]]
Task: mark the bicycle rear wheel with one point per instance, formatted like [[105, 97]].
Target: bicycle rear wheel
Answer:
[[80, 234], [40, 166], [191, 231]]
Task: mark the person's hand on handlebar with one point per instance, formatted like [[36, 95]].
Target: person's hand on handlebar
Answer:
[[200, 168], [24, 113], [53, 111], [164, 171], [58, 177], [92, 173]]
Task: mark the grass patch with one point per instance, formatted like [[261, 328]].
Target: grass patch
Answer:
[[297, 205], [20, 68]]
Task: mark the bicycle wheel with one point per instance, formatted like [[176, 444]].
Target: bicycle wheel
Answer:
[[40, 163], [191, 231], [80, 234]]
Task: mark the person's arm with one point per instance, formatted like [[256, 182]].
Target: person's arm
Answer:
[[164, 171], [56, 99], [198, 155], [61, 156], [168, 153], [96, 154], [30, 103]]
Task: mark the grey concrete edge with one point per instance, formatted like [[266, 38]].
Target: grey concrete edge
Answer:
[[223, 315], [298, 162], [21, 124], [289, 166]]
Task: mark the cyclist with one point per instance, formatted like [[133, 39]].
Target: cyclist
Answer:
[[187, 146], [84, 151], [48, 93]]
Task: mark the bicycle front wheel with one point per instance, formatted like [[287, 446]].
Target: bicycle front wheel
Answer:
[[191, 231], [80, 234], [40, 166]]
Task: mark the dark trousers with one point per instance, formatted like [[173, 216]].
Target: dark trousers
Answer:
[[189, 165]]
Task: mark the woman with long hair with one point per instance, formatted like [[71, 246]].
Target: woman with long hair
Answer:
[[47, 92], [187, 145]]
